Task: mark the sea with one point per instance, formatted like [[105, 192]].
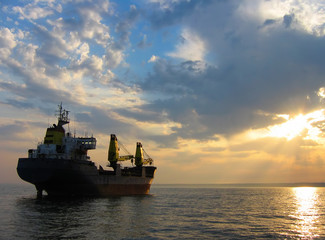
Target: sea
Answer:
[[169, 212]]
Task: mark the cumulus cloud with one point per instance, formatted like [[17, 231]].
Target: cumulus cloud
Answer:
[[32, 12], [68, 47], [191, 47], [114, 56], [7, 38], [92, 28], [7, 42]]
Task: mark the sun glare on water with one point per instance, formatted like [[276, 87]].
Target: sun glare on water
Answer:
[[306, 212]]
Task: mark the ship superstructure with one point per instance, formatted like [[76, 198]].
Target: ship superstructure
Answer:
[[60, 145], [61, 166]]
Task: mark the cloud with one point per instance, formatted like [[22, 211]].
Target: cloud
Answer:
[[100, 120], [166, 13], [305, 15], [272, 76], [11, 131], [153, 59], [7, 39], [114, 55], [92, 28], [225, 69], [144, 42], [165, 4], [7, 42], [19, 104], [288, 19], [31, 11], [191, 47], [270, 69], [232, 68], [67, 52]]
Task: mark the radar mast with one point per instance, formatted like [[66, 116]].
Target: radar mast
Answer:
[[63, 115]]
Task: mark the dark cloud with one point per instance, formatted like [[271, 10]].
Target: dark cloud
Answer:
[[165, 141], [124, 25], [174, 13], [35, 93], [251, 70], [287, 20], [269, 22], [52, 49], [100, 121], [273, 73], [140, 115], [83, 117], [19, 104]]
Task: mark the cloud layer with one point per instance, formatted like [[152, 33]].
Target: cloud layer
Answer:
[[203, 82]]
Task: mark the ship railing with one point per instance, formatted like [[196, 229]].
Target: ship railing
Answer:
[[32, 153]]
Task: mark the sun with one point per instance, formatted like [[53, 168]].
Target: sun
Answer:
[[300, 125], [290, 129]]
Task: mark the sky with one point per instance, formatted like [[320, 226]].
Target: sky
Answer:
[[217, 91]]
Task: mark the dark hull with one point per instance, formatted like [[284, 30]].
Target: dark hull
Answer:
[[62, 177]]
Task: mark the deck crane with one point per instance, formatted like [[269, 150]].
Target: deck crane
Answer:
[[141, 157]]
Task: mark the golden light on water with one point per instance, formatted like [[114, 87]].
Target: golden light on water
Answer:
[[306, 212]]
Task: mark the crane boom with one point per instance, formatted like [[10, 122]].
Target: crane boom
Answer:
[[141, 157]]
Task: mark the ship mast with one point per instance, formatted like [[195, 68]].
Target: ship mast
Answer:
[[63, 115]]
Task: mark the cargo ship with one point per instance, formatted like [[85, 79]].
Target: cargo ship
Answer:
[[60, 166]]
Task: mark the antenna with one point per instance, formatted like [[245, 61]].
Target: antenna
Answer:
[[63, 115]]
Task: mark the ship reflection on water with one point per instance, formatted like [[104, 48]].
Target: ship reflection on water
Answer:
[[307, 212]]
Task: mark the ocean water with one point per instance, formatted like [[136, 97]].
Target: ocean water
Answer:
[[170, 212]]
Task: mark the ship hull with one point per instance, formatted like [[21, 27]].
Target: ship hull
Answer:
[[63, 177]]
